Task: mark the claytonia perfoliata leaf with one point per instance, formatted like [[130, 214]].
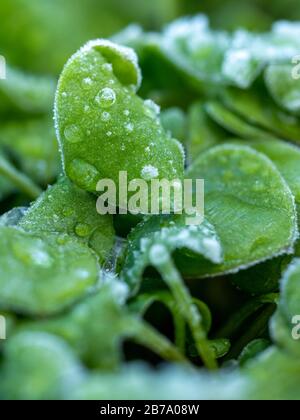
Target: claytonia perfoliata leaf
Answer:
[[174, 121], [33, 145], [290, 291], [104, 127], [203, 132], [38, 366], [286, 157], [195, 50], [201, 242], [26, 93], [257, 109], [98, 343], [65, 209], [252, 350], [233, 123], [251, 382], [264, 278], [42, 276], [250, 205], [282, 81]]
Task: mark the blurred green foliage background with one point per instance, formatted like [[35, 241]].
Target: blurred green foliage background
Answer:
[[39, 35]]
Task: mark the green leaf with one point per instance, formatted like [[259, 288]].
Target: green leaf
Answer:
[[252, 350], [250, 205], [103, 126], [203, 132], [200, 242], [283, 87], [33, 145], [65, 209], [233, 123], [26, 93], [255, 107], [38, 366], [195, 50], [174, 121], [42, 276], [290, 291], [98, 343]]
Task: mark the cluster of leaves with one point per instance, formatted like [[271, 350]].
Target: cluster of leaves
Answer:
[[78, 288]]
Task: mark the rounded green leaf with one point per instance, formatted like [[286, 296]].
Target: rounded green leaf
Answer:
[[104, 127], [42, 276], [250, 205], [65, 209], [38, 366], [256, 107], [26, 93]]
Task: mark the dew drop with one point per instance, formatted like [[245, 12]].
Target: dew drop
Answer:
[[105, 116], [83, 174], [107, 67], [73, 134], [32, 252], [129, 127], [106, 98], [87, 81], [149, 172], [82, 230]]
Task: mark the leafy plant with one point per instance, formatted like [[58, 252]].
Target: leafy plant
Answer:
[[85, 294]]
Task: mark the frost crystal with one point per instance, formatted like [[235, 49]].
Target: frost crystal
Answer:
[[149, 172]]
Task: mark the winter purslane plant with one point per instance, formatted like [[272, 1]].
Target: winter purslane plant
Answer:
[[219, 302]]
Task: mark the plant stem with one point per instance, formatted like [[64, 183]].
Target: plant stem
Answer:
[[162, 260], [142, 333], [20, 180]]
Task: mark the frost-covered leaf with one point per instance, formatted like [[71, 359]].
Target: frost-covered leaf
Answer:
[[26, 93], [233, 123], [174, 121], [98, 343], [172, 383], [13, 217], [265, 278], [200, 242], [38, 366], [104, 127], [42, 276], [255, 107], [33, 145], [283, 82], [195, 50], [290, 291], [65, 209], [250, 205]]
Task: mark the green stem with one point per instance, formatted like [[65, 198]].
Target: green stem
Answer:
[[161, 259], [142, 333], [21, 181], [180, 336]]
